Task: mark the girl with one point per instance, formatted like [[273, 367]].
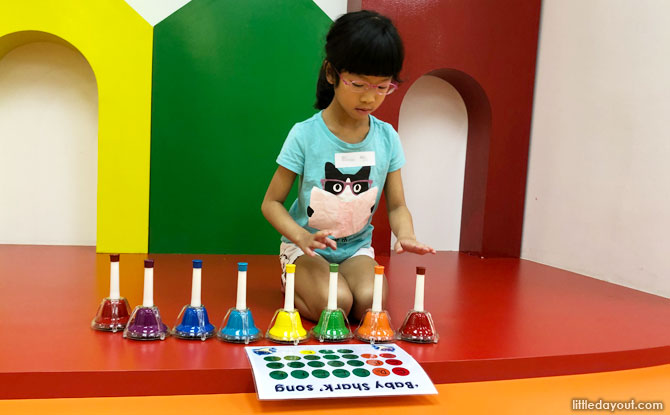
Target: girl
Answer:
[[344, 157]]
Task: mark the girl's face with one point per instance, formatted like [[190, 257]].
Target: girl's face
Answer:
[[359, 95]]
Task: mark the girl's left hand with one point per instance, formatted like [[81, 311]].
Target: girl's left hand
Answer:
[[412, 245]]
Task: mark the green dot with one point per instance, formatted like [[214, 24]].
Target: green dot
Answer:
[[299, 374], [362, 373], [278, 374], [275, 365], [341, 373], [292, 357], [296, 365], [312, 357], [350, 356], [321, 374], [355, 363], [345, 351], [271, 358], [316, 364], [336, 363], [326, 351], [331, 356]]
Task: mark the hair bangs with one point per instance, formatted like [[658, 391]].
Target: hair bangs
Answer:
[[377, 55], [367, 44]]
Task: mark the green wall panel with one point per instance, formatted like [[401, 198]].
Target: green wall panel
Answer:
[[230, 78]]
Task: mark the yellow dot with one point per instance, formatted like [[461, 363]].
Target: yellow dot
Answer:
[[307, 352]]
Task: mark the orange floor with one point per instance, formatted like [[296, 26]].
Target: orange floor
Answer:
[[545, 396]]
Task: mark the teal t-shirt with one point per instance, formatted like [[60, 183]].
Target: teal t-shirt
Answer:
[[339, 183]]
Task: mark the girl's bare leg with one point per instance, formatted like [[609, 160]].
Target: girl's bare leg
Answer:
[[359, 273], [312, 275]]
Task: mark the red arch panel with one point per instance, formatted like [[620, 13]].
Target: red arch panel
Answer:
[[487, 51]]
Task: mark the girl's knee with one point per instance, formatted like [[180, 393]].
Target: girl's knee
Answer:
[[316, 298], [319, 298], [345, 298], [363, 296]]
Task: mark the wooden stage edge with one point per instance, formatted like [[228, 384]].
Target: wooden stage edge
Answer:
[[497, 318]]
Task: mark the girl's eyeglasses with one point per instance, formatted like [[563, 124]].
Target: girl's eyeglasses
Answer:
[[359, 86], [336, 186]]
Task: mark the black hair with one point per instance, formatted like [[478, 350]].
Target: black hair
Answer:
[[363, 42]]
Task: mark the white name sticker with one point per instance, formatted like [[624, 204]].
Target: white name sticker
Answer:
[[360, 159]]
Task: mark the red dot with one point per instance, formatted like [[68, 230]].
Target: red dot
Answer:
[[400, 371], [387, 355], [394, 362]]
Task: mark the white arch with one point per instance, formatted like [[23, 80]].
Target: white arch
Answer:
[[48, 146], [433, 128]]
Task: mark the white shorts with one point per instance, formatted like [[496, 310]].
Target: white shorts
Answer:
[[289, 252]]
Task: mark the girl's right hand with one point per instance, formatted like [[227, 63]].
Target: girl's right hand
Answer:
[[319, 240]]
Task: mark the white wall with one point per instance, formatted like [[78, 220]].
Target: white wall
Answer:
[[333, 8], [598, 192], [433, 128], [48, 147], [155, 11]]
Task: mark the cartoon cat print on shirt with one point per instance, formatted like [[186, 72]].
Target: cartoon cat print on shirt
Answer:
[[345, 203]]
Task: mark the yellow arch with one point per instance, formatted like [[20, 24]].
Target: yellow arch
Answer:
[[117, 43]]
